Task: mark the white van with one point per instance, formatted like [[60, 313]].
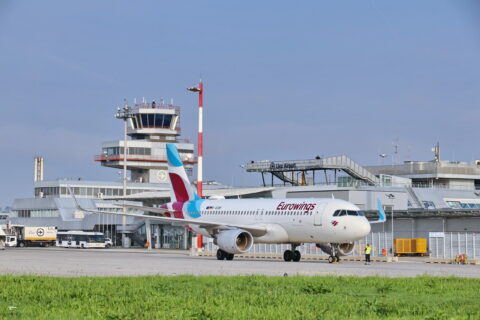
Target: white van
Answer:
[[11, 241]]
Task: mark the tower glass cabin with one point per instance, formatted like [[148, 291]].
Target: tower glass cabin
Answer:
[[151, 127]]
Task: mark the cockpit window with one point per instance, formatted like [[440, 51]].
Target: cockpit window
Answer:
[[340, 213]]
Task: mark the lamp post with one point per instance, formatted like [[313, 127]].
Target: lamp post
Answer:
[[199, 89], [391, 196], [125, 113]]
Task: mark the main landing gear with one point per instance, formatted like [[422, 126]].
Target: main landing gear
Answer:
[[292, 255], [333, 259], [222, 255]]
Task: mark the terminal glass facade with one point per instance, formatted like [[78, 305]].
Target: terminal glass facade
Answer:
[[45, 213], [150, 120], [90, 192], [131, 150]]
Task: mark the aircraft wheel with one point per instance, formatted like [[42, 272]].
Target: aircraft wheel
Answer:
[[288, 255], [331, 259], [337, 258], [230, 256], [221, 255], [296, 256]]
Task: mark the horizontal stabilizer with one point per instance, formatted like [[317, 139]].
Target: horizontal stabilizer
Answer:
[[162, 211]]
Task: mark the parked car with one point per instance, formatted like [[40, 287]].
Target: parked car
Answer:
[[108, 242]]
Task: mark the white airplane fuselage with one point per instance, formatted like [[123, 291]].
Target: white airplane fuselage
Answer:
[[293, 220]]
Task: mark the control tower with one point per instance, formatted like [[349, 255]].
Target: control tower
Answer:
[[150, 127]]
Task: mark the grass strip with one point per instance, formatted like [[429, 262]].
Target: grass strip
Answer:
[[241, 297]]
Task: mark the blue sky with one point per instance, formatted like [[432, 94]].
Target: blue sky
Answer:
[[283, 80]]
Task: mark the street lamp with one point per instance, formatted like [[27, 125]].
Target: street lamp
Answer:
[[391, 196], [125, 113]]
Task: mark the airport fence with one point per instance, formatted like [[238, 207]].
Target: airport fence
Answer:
[[377, 240], [444, 245], [447, 245]]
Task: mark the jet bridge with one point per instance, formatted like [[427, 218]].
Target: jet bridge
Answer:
[[285, 170]]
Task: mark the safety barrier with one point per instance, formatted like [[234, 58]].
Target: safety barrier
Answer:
[[378, 242], [447, 245]]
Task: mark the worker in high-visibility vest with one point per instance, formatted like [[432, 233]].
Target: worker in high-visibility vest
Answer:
[[368, 250]]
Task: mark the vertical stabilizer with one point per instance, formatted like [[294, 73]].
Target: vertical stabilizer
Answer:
[[180, 188]]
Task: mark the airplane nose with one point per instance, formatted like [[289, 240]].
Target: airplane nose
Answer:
[[365, 228]]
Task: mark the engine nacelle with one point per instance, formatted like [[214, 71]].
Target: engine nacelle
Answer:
[[344, 249], [235, 241], [334, 249]]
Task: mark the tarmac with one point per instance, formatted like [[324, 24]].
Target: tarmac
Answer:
[[138, 262]]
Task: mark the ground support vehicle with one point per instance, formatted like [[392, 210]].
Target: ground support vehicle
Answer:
[[23, 236]]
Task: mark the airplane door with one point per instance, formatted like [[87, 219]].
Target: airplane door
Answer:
[[318, 215]]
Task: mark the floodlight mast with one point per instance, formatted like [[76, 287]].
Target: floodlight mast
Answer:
[[125, 113]]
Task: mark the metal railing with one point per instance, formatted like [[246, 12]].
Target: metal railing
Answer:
[[149, 105], [413, 168], [340, 163], [134, 130], [135, 157]]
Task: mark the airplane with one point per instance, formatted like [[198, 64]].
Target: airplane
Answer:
[[236, 224]]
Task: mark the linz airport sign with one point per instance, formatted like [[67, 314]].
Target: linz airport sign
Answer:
[[279, 166]]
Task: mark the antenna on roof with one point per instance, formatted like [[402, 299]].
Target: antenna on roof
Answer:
[[436, 152], [395, 146]]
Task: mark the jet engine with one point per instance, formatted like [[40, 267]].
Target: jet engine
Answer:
[[235, 241], [337, 249]]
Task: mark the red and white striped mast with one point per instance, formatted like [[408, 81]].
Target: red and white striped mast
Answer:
[[199, 89]]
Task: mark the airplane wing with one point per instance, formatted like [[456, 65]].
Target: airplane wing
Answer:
[[381, 214], [162, 211], [253, 229]]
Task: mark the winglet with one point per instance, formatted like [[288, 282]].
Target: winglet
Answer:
[[381, 214]]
